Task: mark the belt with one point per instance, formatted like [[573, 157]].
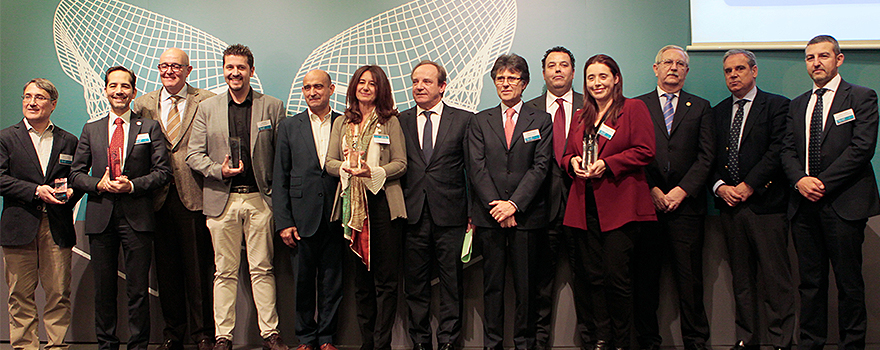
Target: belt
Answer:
[[244, 189]]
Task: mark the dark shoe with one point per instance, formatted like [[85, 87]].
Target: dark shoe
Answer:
[[223, 344], [274, 342], [206, 344], [601, 345], [446, 346], [422, 346], [169, 344], [305, 347], [328, 346]]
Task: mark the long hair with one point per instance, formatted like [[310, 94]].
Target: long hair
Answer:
[[591, 107], [384, 102]]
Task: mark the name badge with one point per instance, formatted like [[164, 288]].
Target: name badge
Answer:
[[65, 159], [142, 138], [606, 131], [381, 139], [264, 125], [531, 135], [844, 117]]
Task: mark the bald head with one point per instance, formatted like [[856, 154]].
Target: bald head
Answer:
[[174, 68], [317, 89]]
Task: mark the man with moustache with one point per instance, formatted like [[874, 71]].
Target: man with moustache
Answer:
[[184, 256], [130, 151], [677, 177], [36, 228], [560, 101], [510, 150], [303, 202], [435, 192], [831, 137], [237, 197], [751, 191]]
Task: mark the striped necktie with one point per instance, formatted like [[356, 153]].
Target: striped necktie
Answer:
[[172, 126], [668, 112]]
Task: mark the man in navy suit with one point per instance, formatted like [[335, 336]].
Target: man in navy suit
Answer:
[[130, 152], [751, 192], [36, 228], [831, 137], [435, 192], [510, 153], [302, 205]]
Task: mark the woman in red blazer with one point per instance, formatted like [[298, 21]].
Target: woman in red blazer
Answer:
[[610, 197]]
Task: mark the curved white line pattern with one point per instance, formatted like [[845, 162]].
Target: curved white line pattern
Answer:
[[93, 35], [465, 36]]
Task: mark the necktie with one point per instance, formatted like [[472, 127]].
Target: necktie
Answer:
[[559, 132], [733, 142], [815, 150], [427, 137], [668, 112], [172, 127], [509, 125], [117, 142]]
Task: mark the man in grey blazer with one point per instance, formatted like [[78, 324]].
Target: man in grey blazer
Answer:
[[237, 197], [184, 256]]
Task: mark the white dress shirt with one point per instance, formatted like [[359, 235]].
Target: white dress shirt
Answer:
[[827, 98], [516, 108], [42, 143], [552, 106], [321, 134], [165, 103], [675, 99], [435, 122]]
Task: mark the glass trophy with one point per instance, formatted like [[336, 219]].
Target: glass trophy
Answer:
[[354, 153], [61, 189], [589, 152], [235, 152]]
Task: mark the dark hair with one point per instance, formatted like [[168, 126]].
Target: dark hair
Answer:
[[512, 62], [384, 102], [825, 39], [441, 72], [750, 56], [556, 49], [239, 50], [45, 85], [132, 80], [591, 107]]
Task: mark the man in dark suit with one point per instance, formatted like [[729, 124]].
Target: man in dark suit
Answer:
[[510, 153], [36, 228], [184, 256], [560, 101], [677, 177], [751, 191], [302, 203], [831, 137], [435, 192], [130, 152]]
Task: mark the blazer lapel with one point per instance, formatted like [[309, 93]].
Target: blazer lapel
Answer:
[[497, 124], [446, 121], [134, 129], [187, 117], [28, 147], [256, 117], [57, 144], [657, 112], [522, 124], [755, 112], [306, 134], [840, 98], [681, 111], [413, 129]]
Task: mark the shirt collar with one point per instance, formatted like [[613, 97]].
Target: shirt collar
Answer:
[[568, 97], [164, 94], [515, 107], [126, 117], [750, 96], [660, 92], [315, 118], [437, 109], [832, 85], [247, 100], [30, 127]]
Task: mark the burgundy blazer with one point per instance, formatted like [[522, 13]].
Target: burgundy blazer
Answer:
[[622, 193]]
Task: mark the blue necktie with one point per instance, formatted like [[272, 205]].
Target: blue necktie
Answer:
[[668, 112], [427, 138]]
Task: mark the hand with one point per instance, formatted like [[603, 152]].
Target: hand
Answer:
[[120, 185], [289, 236], [745, 191], [104, 183], [471, 226], [579, 170], [227, 172], [509, 222], [362, 171], [595, 170], [810, 187], [501, 210], [729, 195], [674, 198], [659, 199], [47, 194]]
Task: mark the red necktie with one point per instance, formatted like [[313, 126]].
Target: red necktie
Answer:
[[115, 152], [509, 125], [559, 131]]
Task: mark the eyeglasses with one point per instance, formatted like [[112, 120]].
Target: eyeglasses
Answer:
[[669, 63], [174, 67], [509, 80], [39, 98]]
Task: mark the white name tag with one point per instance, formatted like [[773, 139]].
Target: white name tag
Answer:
[[381, 139], [142, 138], [65, 159], [531, 135], [606, 131], [264, 125], [844, 117]]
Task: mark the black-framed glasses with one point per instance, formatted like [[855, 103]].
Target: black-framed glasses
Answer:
[[39, 98], [174, 67], [509, 80]]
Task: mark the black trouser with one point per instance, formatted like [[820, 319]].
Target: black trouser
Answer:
[[503, 246], [317, 270]]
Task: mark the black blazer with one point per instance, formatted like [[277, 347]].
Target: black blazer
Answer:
[[684, 156], [146, 166], [442, 183], [847, 150], [759, 164], [303, 191], [20, 174], [560, 181], [517, 174]]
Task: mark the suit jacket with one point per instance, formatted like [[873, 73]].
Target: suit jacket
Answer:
[[759, 164], [209, 145], [20, 174], [684, 156], [560, 181], [145, 164], [188, 183], [622, 193], [847, 150], [303, 189], [441, 184], [517, 174]]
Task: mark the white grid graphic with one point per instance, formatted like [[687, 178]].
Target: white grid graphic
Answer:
[[93, 35], [464, 36]]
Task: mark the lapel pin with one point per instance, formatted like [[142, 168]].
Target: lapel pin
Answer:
[[138, 123], [688, 103]]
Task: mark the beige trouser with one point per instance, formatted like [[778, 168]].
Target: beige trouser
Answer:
[[245, 216], [45, 262]]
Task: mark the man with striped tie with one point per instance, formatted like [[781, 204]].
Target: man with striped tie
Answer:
[[677, 177], [184, 256]]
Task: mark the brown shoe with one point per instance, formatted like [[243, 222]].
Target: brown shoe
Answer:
[[206, 344], [274, 342], [305, 347], [223, 344], [328, 346]]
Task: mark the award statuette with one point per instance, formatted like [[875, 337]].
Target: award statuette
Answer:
[[61, 189], [235, 151], [353, 152], [590, 155]]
